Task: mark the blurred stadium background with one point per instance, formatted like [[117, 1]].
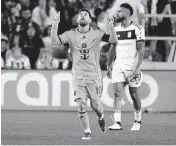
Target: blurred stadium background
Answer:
[[32, 115]]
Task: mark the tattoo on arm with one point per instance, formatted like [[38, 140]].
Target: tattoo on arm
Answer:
[[112, 54], [141, 51]]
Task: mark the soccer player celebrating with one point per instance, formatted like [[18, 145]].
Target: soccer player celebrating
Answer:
[[129, 54], [84, 42]]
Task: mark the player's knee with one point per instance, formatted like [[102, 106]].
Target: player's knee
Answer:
[[95, 103], [118, 94], [81, 106], [82, 114]]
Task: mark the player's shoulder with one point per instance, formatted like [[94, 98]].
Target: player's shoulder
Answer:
[[136, 26], [118, 27], [70, 31], [98, 31]]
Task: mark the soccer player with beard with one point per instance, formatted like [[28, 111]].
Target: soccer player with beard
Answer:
[[84, 42], [129, 54]]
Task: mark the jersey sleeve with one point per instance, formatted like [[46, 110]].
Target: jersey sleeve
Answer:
[[140, 33], [64, 38], [105, 37], [102, 35]]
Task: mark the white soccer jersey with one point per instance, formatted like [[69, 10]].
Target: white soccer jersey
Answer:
[[126, 51], [20, 63]]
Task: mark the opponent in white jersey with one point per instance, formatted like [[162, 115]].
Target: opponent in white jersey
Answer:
[[17, 60], [126, 70], [84, 43]]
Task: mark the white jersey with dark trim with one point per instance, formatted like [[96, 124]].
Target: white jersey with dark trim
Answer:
[[126, 51]]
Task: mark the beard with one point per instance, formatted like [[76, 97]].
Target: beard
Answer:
[[83, 23], [120, 19]]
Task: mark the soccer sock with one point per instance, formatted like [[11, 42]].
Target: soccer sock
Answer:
[[87, 130], [100, 114], [117, 116], [137, 115], [84, 119], [100, 118]]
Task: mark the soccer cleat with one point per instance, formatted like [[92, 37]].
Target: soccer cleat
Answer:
[[116, 126], [102, 125], [87, 136], [136, 126]]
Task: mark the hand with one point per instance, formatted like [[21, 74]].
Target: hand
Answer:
[[56, 19], [110, 20], [109, 72], [135, 74]]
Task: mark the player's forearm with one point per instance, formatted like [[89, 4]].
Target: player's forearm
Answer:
[[112, 54], [54, 37], [113, 36], [141, 52]]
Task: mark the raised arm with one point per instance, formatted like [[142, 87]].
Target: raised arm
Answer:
[[111, 30], [54, 37], [110, 35]]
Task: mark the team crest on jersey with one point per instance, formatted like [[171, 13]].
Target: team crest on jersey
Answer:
[[84, 45], [84, 54]]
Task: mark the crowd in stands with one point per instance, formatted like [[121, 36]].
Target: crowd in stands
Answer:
[[26, 30]]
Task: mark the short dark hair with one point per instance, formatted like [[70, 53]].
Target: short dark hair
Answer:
[[84, 9], [127, 6]]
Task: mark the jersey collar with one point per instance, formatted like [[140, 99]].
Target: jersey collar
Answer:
[[127, 26]]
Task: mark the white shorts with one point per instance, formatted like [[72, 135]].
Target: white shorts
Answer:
[[121, 75]]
